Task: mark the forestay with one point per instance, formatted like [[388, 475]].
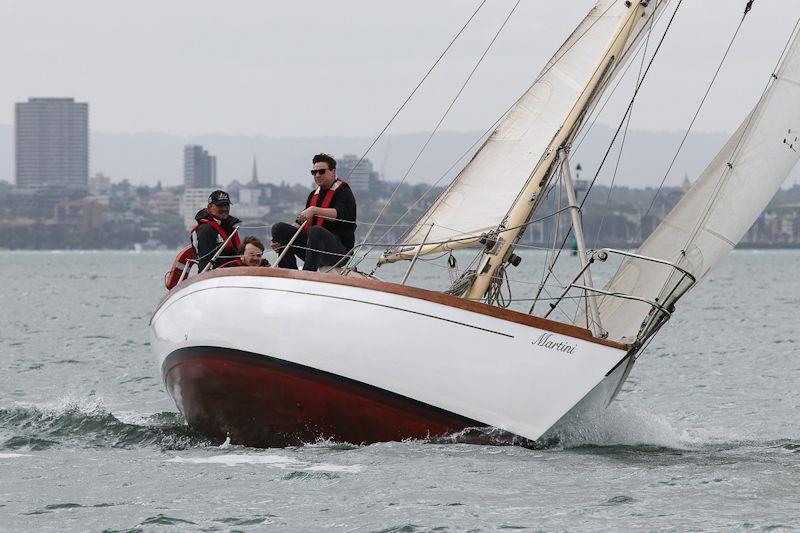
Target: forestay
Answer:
[[721, 206], [479, 198]]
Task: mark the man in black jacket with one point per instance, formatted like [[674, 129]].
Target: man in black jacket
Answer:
[[328, 221], [214, 226]]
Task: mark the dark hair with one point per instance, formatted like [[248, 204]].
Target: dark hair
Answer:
[[252, 239], [325, 158]]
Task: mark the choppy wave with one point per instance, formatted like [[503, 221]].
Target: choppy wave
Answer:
[[84, 424], [30, 427]]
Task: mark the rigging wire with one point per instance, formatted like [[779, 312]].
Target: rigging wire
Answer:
[[443, 117], [597, 112], [622, 143], [630, 104], [419, 84], [547, 69], [619, 127], [696, 113]]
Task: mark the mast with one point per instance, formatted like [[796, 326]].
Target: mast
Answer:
[[577, 226], [500, 247]]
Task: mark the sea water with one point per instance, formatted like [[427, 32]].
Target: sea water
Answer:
[[704, 436]]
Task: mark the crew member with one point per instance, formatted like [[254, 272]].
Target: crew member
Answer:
[[251, 253], [214, 226], [328, 221]]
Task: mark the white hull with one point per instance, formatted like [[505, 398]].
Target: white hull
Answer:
[[476, 366]]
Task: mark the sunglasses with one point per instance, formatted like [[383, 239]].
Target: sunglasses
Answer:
[[320, 171]]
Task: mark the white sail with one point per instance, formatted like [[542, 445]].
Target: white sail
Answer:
[[481, 195], [721, 206]]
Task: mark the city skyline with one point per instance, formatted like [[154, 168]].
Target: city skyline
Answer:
[[152, 158]]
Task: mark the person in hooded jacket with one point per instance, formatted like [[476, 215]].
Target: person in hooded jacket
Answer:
[[214, 226]]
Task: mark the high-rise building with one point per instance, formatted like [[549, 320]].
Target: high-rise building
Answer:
[[51, 143], [361, 178], [199, 167]]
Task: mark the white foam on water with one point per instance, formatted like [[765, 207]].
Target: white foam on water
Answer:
[[133, 419], [630, 426], [324, 467], [275, 461], [234, 459], [13, 455], [65, 405]]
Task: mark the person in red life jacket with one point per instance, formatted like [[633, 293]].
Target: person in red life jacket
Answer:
[[329, 222], [251, 253], [214, 226]]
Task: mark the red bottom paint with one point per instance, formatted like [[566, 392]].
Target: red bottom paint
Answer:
[[264, 402]]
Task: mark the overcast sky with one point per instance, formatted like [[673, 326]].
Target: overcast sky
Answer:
[[321, 67]]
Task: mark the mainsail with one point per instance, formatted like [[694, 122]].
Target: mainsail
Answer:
[[479, 198], [719, 208]]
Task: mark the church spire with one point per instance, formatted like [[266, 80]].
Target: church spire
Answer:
[[254, 178]]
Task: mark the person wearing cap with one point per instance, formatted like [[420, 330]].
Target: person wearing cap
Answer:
[[328, 222], [214, 226]]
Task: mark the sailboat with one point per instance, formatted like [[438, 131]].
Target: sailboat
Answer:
[[273, 357]]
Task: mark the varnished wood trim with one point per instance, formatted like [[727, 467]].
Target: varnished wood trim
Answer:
[[402, 290]]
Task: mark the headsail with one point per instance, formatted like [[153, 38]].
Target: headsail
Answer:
[[481, 195], [719, 208]]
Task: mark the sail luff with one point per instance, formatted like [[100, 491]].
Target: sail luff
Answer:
[[719, 208]]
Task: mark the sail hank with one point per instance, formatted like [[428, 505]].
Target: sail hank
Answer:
[[480, 197], [719, 208]]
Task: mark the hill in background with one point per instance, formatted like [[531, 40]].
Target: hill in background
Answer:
[[147, 158]]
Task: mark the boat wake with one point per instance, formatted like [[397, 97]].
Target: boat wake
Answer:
[[90, 424], [614, 426], [621, 427]]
